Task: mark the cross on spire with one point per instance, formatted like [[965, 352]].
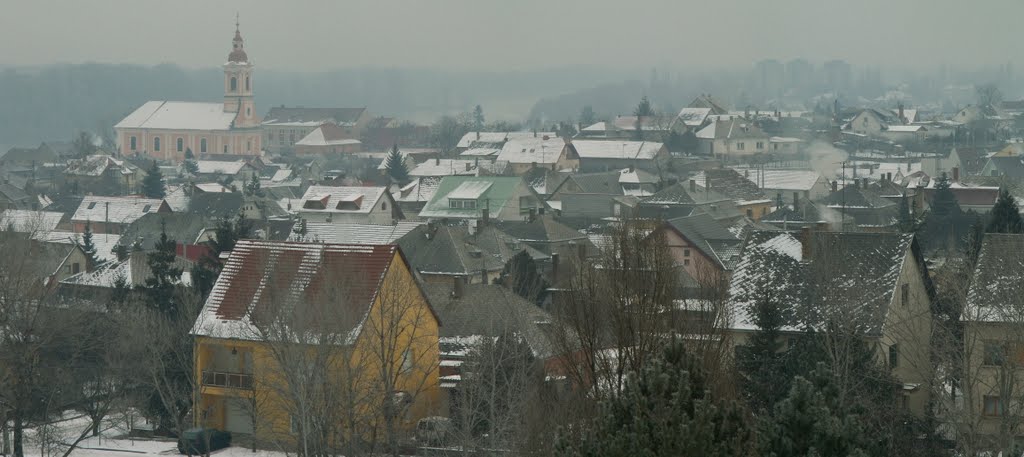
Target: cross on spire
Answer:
[[236, 21]]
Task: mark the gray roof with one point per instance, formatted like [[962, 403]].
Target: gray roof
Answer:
[[490, 310], [730, 183], [1011, 166], [181, 227], [997, 290], [849, 277], [452, 250], [710, 236]]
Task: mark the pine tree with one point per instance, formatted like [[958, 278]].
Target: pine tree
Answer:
[[253, 186], [1005, 216], [944, 205], [153, 182], [522, 276], [191, 167], [478, 118], [666, 410], [227, 233], [88, 246], [761, 362], [643, 110], [395, 165], [165, 275], [811, 422]]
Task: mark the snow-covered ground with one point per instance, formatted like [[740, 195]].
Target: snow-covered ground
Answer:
[[113, 441]]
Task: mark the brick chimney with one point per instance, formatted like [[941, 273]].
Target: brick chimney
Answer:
[[805, 244]]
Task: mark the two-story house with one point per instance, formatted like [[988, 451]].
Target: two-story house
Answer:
[[732, 138], [281, 314], [483, 197], [113, 214], [346, 204]]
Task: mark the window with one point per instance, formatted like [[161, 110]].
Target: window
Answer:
[[750, 213], [247, 84], [864, 121], [92, 205], [455, 203], [225, 149], [759, 145], [202, 145], [905, 294], [234, 84], [894, 356], [739, 146], [75, 268], [248, 111], [156, 144], [686, 252], [132, 142], [293, 424], [145, 209], [384, 205], [407, 360], [686, 262], [179, 145], [995, 354], [993, 405], [248, 145]]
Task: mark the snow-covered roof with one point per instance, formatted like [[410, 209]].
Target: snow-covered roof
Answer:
[[470, 190], [319, 138], [179, 116], [450, 167], [481, 137], [542, 150], [104, 242], [338, 199], [419, 190], [363, 234], [595, 127], [27, 221], [694, 116], [95, 165], [996, 291], [211, 187], [480, 152], [795, 180], [784, 139], [906, 128], [598, 149], [121, 210], [220, 167]]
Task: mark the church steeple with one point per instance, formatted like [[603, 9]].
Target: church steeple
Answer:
[[238, 83]]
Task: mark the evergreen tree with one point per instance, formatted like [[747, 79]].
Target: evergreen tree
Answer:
[[1005, 216], [153, 182], [226, 235], [253, 186], [395, 165], [666, 410], [83, 145], [88, 246], [643, 110], [811, 422], [764, 377], [478, 118], [121, 252], [944, 205], [191, 167], [523, 277], [164, 275]]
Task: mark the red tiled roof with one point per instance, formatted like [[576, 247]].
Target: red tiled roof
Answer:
[[310, 276]]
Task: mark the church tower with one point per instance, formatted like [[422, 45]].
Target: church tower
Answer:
[[238, 83]]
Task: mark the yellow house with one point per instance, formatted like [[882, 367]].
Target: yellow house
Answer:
[[315, 345]]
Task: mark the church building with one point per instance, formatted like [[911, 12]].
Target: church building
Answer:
[[168, 130]]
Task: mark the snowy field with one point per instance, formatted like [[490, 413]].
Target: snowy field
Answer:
[[53, 441]]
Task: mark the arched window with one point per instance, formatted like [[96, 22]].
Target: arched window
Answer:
[[180, 145], [202, 145], [248, 112], [247, 84], [234, 84], [248, 145], [133, 143], [156, 144]]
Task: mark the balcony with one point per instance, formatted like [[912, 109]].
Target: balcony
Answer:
[[227, 380]]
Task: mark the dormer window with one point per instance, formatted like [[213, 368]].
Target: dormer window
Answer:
[[92, 205], [459, 203], [145, 209]]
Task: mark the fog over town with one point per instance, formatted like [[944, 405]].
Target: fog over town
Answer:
[[519, 228]]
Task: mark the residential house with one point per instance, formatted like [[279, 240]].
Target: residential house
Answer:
[[362, 234], [644, 128], [30, 157], [872, 122], [328, 139], [873, 285], [114, 214], [346, 204], [439, 167], [361, 298], [545, 234], [786, 183], [283, 127], [412, 197], [476, 252], [28, 221], [860, 208], [238, 172], [993, 344], [732, 138], [801, 213], [473, 312], [694, 118], [979, 198], [103, 174], [381, 133], [483, 197], [684, 199], [14, 197], [705, 248], [598, 155], [525, 153], [749, 200]]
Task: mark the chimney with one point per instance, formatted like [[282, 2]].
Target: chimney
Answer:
[[437, 161], [864, 183], [431, 229], [693, 185], [478, 134], [554, 268], [902, 119], [805, 244], [908, 165], [888, 177], [835, 186], [458, 287], [631, 168], [956, 174]]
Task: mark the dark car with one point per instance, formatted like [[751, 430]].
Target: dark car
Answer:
[[197, 441]]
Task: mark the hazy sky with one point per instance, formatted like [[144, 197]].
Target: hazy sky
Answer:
[[510, 34]]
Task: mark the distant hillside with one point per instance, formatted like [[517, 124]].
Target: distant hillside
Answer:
[[51, 102]]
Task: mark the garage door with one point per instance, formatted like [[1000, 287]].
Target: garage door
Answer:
[[238, 418]]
